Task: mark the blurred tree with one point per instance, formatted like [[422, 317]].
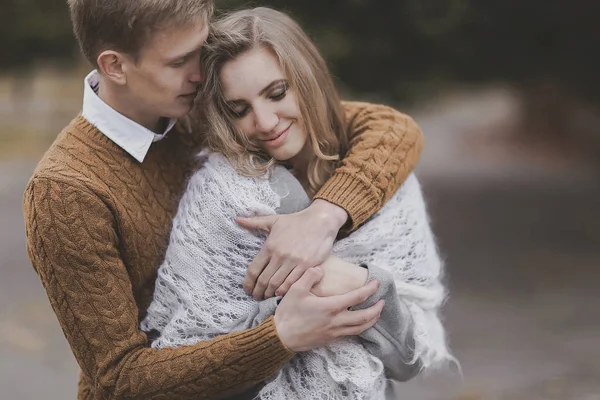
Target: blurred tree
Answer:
[[34, 30], [385, 46], [545, 48]]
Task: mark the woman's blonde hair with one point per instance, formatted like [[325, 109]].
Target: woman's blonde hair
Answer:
[[308, 77]]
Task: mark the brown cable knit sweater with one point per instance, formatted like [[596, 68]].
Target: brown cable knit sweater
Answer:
[[98, 223]]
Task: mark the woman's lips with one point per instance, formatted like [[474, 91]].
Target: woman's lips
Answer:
[[278, 139]]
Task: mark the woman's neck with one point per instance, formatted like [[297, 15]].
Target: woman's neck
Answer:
[[300, 163]]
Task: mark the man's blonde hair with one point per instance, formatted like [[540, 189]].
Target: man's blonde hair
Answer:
[[126, 25], [308, 77]]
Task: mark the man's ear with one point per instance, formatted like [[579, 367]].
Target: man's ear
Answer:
[[111, 65]]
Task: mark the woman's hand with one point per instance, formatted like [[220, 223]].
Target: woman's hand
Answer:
[[340, 277], [296, 243]]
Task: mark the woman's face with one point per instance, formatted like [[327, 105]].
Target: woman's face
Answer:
[[265, 108]]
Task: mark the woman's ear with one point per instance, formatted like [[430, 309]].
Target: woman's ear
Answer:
[[111, 65]]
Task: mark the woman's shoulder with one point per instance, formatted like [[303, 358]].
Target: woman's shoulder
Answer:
[[218, 180], [216, 168]]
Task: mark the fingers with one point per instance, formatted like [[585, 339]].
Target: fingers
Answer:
[[359, 317], [311, 277], [264, 223], [355, 297], [356, 329], [290, 280], [351, 323], [278, 278], [255, 269], [264, 278]]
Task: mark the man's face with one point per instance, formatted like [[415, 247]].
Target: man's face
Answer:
[[166, 77]]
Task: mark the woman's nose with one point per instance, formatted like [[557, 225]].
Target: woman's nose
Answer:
[[265, 119]]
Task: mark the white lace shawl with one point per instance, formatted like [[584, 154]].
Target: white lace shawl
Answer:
[[199, 293]]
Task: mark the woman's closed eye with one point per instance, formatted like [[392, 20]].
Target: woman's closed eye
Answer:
[[241, 109], [279, 93]]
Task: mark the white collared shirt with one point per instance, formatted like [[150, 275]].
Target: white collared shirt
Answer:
[[132, 137]]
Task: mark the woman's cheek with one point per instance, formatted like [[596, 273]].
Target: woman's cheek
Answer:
[[244, 126]]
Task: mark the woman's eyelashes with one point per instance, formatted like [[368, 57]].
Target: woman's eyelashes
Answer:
[[280, 92], [276, 94], [239, 112]]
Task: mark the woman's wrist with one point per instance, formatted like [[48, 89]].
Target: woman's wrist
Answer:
[[340, 277]]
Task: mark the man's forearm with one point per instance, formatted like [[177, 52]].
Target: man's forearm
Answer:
[[384, 148], [332, 216], [89, 289]]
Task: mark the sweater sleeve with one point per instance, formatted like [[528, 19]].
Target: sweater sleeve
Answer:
[[385, 146], [391, 339], [74, 248]]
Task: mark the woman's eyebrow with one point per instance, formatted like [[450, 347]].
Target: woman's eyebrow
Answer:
[[270, 86]]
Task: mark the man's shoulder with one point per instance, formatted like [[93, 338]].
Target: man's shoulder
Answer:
[[71, 156]]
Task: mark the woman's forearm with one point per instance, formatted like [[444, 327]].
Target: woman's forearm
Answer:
[[391, 339]]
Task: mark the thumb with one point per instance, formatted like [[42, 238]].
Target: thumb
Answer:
[[310, 278], [264, 223]]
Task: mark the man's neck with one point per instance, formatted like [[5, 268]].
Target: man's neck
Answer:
[[122, 104]]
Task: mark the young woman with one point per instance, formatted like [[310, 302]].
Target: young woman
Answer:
[[276, 131]]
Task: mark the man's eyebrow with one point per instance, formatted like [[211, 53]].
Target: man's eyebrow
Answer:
[[184, 56]]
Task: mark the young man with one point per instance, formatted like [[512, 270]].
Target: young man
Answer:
[[99, 206]]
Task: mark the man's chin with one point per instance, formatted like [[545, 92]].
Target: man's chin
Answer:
[[180, 111]]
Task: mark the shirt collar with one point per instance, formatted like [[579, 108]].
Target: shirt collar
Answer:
[[132, 137]]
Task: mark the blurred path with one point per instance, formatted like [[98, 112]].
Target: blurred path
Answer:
[[520, 230], [35, 360], [520, 234]]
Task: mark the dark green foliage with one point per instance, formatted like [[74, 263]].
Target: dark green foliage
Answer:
[[389, 46], [385, 46], [32, 30]]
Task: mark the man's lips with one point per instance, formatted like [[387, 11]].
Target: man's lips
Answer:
[[191, 94]]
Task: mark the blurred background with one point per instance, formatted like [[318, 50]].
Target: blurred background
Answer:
[[508, 96]]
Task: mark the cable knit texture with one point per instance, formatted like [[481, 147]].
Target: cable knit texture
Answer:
[[375, 163], [98, 224]]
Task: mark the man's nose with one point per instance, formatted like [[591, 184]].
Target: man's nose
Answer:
[[196, 77]]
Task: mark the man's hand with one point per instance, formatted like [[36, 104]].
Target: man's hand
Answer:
[[305, 321], [296, 242]]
